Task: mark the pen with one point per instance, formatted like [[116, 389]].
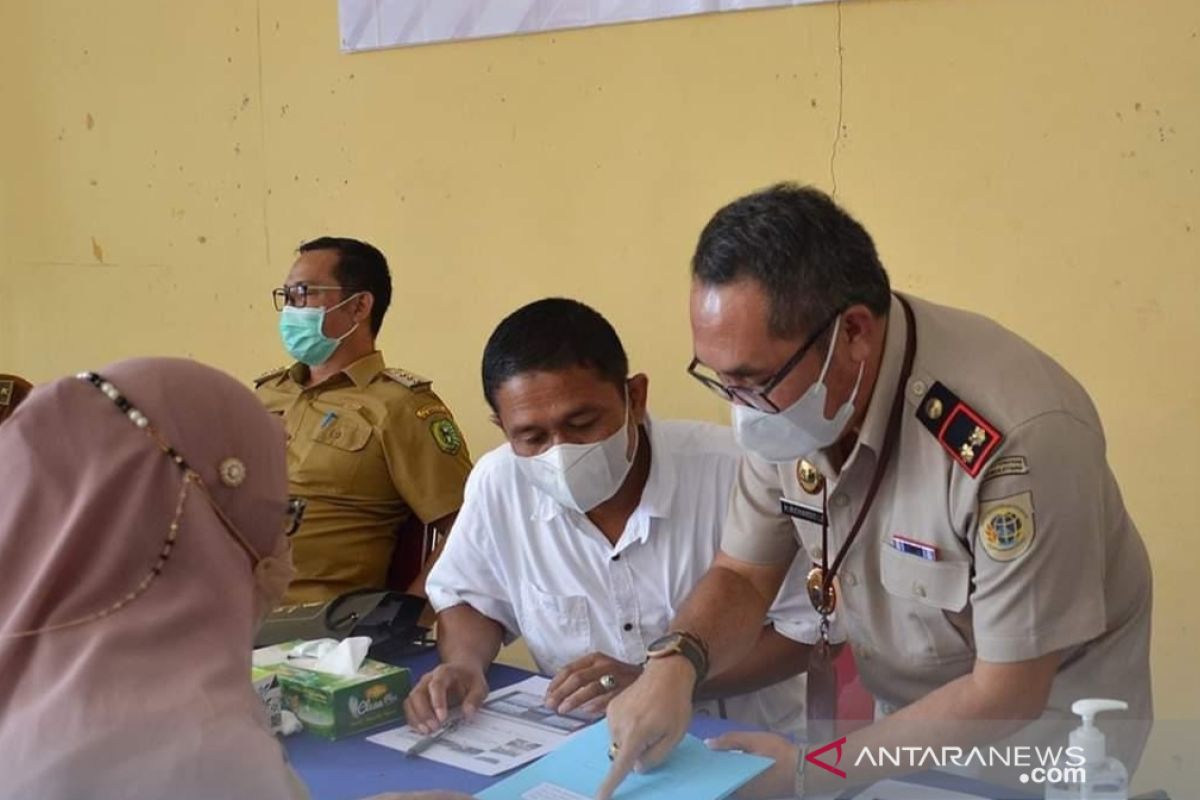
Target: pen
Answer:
[[328, 418], [432, 739]]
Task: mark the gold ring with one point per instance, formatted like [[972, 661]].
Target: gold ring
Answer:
[[613, 749]]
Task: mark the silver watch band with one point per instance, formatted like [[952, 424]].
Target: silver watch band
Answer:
[[800, 762]]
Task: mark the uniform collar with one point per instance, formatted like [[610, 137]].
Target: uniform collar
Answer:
[[874, 427], [360, 373], [657, 494], [363, 371]]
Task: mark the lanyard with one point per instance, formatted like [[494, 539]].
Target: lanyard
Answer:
[[821, 692]]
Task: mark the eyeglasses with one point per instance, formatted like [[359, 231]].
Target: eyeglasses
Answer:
[[297, 296], [295, 515], [756, 397]]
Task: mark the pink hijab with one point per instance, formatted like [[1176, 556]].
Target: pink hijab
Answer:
[[134, 682]]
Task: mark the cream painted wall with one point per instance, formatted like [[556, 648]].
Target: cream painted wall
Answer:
[[1032, 160]]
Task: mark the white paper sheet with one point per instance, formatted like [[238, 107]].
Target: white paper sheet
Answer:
[[512, 728], [374, 24]]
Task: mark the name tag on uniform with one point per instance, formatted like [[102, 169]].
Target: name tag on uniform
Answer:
[[914, 548], [801, 511]]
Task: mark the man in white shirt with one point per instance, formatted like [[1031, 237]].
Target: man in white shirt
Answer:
[[586, 531]]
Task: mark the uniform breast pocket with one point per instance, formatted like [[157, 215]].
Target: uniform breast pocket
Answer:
[[556, 627], [931, 622], [335, 454]]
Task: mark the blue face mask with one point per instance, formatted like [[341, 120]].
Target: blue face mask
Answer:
[[302, 331]]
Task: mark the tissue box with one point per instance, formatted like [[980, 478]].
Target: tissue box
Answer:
[[266, 683], [332, 706]]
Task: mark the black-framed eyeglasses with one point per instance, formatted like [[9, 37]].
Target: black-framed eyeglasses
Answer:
[[756, 397], [297, 295], [295, 515]]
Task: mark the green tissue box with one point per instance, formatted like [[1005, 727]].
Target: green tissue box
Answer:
[[333, 707]]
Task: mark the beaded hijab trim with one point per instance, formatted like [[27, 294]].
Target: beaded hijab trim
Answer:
[[189, 477]]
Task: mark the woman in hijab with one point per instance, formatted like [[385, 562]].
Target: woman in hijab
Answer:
[[143, 514]]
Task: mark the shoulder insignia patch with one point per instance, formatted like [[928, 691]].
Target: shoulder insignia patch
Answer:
[[408, 380], [967, 437], [425, 412], [1006, 526], [1006, 466], [266, 376], [447, 436]]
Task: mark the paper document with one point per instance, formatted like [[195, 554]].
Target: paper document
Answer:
[[512, 728], [900, 790], [576, 769]]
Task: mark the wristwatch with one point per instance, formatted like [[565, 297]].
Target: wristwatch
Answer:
[[684, 644], [800, 762], [802, 792]]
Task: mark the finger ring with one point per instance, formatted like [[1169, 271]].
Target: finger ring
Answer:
[[612, 751], [608, 682]]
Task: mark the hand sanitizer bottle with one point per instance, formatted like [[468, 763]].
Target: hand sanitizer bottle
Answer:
[[1104, 778]]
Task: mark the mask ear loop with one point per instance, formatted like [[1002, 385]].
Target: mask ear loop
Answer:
[[326, 311], [862, 366], [837, 324], [829, 359]]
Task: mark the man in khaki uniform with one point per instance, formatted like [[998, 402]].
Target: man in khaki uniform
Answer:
[[368, 447], [948, 478], [13, 389]]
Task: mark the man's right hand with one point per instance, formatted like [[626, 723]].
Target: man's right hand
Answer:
[[648, 719], [429, 703]]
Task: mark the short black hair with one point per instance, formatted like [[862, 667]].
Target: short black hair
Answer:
[[552, 334], [811, 257], [360, 268]]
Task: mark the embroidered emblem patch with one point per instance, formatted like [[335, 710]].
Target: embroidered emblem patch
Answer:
[[1006, 526], [447, 436]]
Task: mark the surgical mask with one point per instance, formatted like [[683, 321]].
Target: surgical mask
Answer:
[[302, 331], [272, 576], [582, 476], [801, 429]]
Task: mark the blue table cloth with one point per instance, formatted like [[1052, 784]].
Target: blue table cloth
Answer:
[[353, 768]]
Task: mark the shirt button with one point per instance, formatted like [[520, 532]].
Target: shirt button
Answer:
[[841, 501], [918, 590], [919, 387], [617, 557], [628, 626], [817, 553], [851, 580]]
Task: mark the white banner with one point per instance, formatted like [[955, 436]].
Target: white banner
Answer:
[[375, 24]]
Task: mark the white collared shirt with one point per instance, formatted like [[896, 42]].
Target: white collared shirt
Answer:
[[547, 574]]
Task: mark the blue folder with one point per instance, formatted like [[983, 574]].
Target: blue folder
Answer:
[[693, 772]]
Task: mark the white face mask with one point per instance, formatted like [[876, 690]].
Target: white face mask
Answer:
[[801, 429], [582, 476]]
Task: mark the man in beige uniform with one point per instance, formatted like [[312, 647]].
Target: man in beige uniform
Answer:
[[368, 446], [985, 567]]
